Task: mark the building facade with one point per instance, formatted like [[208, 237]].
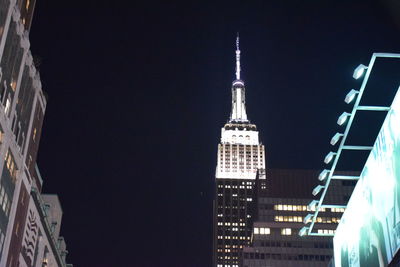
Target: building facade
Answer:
[[282, 205], [240, 154], [27, 234]]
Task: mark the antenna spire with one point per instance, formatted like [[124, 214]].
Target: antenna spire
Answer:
[[238, 113], [237, 58]]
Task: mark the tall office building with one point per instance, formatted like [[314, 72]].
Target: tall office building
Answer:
[[283, 204], [29, 220], [240, 154]]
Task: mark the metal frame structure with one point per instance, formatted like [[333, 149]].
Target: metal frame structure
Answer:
[[328, 174]]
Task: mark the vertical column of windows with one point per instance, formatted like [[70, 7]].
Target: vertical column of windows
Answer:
[[5, 200], [248, 158], [227, 157], [229, 205], [262, 159], [241, 157], [220, 161], [231, 156], [2, 236], [10, 64], [251, 158], [223, 213], [222, 157], [1, 136], [11, 166], [234, 158], [255, 158]]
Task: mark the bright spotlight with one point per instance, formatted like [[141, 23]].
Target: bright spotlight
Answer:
[[317, 189], [329, 157], [323, 175], [336, 138], [359, 71], [343, 118], [350, 96], [303, 231], [308, 218], [313, 204]]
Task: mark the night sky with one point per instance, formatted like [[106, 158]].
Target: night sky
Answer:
[[138, 93]]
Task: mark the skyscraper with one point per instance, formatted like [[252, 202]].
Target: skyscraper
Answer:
[[240, 154], [282, 206], [29, 220]]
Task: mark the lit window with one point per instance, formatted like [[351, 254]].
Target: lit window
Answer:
[[13, 84], [286, 231], [326, 231], [1, 241], [10, 163], [265, 231], [34, 134], [7, 107]]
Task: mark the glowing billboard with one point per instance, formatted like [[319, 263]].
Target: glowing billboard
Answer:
[[369, 231]]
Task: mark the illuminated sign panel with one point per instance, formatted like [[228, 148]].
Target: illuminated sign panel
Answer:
[[369, 231]]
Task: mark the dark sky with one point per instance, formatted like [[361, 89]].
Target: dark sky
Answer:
[[138, 92]]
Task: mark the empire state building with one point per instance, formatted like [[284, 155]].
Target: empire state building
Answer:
[[240, 155]]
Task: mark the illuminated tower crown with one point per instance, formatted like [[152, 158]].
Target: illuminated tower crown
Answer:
[[238, 113]]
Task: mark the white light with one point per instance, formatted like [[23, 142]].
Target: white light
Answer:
[[286, 231], [359, 71], [312, 204], [303, 231], [343, 118], [323, 175], [238, 82], [350, 96], [308, 218], [336, 138], [329, 157], [317, 189]]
